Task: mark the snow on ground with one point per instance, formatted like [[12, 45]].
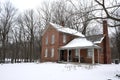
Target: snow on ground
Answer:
[[56, 71]]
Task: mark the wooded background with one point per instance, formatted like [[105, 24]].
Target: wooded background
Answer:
[[20, 32]]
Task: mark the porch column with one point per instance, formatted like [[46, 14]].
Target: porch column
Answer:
[[68, 55], [93, 60], [59, 55], [98, 55], [79, 54]]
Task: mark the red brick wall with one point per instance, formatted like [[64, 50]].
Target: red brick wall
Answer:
[[68, 38], [89, 60], [83, 53], [101, 52], [106, 45], [105, 52], [49, 32], [58, 43]]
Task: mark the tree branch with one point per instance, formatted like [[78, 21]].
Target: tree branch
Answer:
[[107, 13]]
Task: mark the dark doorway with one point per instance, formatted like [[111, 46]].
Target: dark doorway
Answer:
[[62, 55], [70, 55]]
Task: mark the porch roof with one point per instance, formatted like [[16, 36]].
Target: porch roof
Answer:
[[79, 43], [96, 38]]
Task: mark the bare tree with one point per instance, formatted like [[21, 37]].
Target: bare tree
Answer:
[[83, 14], [30, 23], [76, 16], [22, 38], [45, 12], [110, 14], [6, 21], [117, 40], [111, 11], [118, 43], [60, 12], [38, 37], [14, 47]]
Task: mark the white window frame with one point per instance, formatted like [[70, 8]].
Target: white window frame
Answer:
[[64, 38], [53, 39], [46, 41], [52, 52], [46, 52], [77, 53], [90, 53]]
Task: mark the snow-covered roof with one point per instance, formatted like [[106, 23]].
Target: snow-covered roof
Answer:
[[79, 43], [96, 38], [67, 30]]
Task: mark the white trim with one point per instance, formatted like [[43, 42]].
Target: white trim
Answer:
[[59, 55], [64, 38], [52, 52], [79, 55], [76, 52], [98, 56], [46, 40], [77, 47], [46, 52], [68, 55], [52, 39], [89, 53], [93, 60]]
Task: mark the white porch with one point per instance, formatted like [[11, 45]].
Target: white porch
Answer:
[[74, 49]]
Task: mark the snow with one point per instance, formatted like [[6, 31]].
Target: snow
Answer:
[[96, 42], [79, 43], [56, 71], [67, 30]]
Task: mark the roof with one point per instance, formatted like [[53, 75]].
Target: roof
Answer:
[[96, 38], [67, 30], [79, 43]]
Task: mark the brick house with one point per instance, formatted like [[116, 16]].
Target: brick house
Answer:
[[64, 44]]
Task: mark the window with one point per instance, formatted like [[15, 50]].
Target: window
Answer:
[[46, 52], [52, 52], [90, 52], [64, 38], [76, 52], [53, 39], [46, 40]]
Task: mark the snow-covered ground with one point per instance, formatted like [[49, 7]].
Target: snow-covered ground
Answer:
[[56, 71]]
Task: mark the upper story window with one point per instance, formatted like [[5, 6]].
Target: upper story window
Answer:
[[53, 39], [52, 52], [46, 52], [46, 41], [64, 38], [90, 53]]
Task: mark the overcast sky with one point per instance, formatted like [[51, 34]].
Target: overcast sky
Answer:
[[25, 4], [29, 4]]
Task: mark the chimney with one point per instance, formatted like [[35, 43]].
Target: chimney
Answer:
[[62, 23], [106, 44], [105, 28]]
